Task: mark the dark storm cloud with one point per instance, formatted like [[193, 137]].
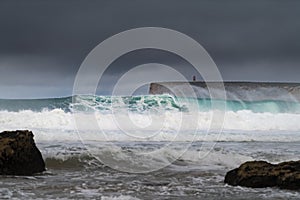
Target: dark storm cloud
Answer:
[[42, 43]]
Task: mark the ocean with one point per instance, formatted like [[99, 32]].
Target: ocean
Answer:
[[150, 146]]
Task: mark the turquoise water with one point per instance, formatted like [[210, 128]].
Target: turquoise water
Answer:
[[146, 103]]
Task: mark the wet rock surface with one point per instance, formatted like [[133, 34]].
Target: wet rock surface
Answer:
[[258, 174], [19, 154]]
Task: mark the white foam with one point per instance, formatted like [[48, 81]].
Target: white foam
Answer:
[[179, 126], [121, 197]]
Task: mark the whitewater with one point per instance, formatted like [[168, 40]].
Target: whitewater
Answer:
[[243, 121], [193, 156]]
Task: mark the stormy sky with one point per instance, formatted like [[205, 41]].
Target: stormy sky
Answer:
[[43, 43]]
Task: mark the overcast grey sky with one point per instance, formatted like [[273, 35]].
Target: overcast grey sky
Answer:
[[42, 43]]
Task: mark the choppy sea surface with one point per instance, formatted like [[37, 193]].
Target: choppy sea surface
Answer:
[[150, 147]]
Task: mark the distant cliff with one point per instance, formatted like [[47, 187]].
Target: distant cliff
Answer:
[[234, 90]]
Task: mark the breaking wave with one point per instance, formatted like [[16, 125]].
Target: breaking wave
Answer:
[[53, 119]]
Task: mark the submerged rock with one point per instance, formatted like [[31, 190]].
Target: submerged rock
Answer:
[[19, 154], [258, 174]]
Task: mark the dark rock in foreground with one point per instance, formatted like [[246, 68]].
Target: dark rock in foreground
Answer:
[[258, 174], [19, 154]]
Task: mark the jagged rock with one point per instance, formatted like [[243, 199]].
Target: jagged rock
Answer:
[[258, 174], [19, 154]]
